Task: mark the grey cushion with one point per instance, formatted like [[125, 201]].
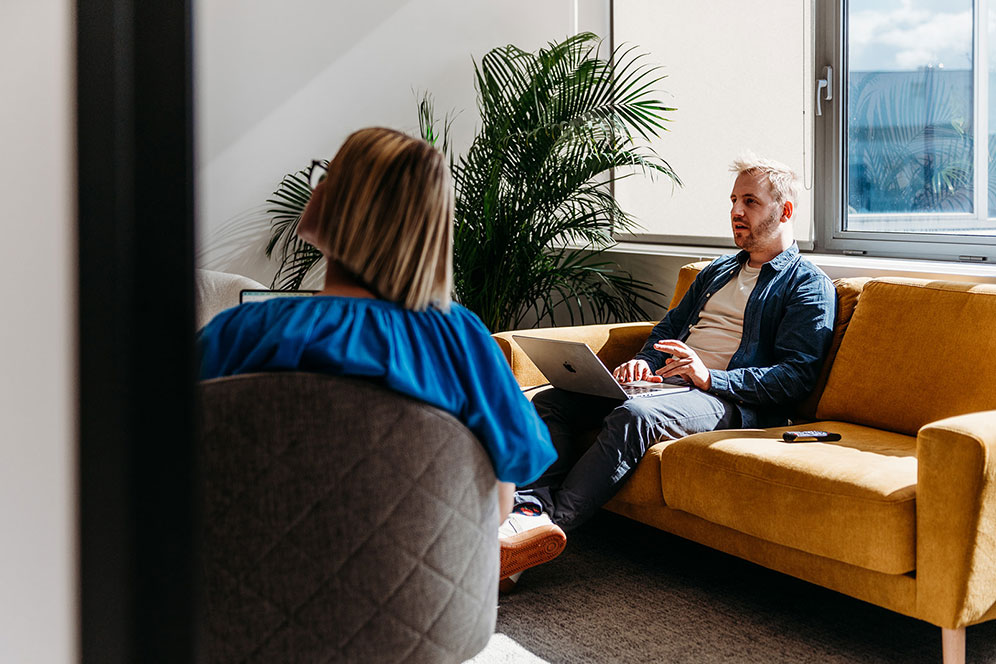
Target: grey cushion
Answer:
[[343, 522]]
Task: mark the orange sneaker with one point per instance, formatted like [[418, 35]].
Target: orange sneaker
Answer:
[[528, 540], [507, 584]]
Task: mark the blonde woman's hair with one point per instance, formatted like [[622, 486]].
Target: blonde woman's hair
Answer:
[[782, 180], [387, 217]]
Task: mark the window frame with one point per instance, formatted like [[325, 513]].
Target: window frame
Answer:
[[830, 163], [830, 150]]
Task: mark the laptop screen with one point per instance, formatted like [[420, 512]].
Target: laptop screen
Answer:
[[258, 295]]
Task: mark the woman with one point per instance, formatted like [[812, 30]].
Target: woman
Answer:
[[383, 220]]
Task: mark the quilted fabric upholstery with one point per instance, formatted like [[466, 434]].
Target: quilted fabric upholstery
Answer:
[[342, 523]]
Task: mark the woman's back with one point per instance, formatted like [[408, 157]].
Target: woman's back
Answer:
[[445, 359]]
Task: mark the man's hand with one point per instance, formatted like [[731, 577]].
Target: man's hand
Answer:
[[635, 370], [683, 362]]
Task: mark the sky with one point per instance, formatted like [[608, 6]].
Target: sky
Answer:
[[904, 35]]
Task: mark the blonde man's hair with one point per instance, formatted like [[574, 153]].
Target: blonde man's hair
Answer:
[[387, 217], [783, 182]]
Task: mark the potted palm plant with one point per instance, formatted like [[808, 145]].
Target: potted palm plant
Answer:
[[534, 206]]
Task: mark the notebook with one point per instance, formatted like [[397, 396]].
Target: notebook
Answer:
[[573, 366]]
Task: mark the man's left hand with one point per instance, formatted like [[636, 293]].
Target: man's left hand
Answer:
[[683, 362]]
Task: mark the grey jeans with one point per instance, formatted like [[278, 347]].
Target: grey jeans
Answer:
[[580, 481]]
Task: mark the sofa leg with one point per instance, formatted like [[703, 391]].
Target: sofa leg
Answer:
[[953, 645]]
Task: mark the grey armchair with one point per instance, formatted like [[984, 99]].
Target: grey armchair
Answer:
[[342, 523]]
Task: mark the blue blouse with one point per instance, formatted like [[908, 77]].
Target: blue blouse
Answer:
[[448, 360]]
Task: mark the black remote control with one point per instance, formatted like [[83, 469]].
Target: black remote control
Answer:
[[809, 436]]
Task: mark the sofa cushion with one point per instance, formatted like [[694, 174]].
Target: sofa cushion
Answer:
[[916, 351], [852, 500], [643, 486]]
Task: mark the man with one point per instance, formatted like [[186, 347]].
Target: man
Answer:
[[750, 336]]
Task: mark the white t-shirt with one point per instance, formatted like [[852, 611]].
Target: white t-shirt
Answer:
[[716, 335]]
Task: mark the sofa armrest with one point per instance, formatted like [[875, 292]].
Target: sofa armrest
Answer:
[[614, 343], [956, 519]]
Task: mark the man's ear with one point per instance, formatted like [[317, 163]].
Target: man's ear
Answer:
[[787, 210]]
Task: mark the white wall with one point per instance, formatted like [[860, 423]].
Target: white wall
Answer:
[[280, 84], [37, 394], [730, 98]]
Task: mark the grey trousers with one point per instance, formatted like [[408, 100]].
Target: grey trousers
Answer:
[[580, 481]]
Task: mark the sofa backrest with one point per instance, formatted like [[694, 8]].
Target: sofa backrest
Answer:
[[686, 275], [848, 292], [915, 351]]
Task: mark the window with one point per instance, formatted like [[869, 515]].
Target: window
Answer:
[[898, 155], [907, 142], [740, 77]]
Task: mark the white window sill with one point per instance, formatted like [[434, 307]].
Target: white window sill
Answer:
[[835, 265]]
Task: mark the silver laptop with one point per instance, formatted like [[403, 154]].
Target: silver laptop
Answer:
[[573, 366]]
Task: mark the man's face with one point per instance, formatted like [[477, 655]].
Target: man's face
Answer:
[[754, 214]]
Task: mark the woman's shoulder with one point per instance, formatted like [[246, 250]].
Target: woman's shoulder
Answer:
[[243, 320], [462, 313], [463, 319], [321, 314], [252, 311]]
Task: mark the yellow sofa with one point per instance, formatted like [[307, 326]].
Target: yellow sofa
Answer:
[[901, 512]]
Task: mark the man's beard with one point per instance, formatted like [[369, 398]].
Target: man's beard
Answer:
[[759, 235]]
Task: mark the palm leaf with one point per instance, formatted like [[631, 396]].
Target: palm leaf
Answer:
[[534, 212], [530, 182], [297, 258]]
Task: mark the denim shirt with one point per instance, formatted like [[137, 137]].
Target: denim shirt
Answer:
[[788, 327]]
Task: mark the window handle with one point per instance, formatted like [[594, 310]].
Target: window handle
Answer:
[[824, 85]]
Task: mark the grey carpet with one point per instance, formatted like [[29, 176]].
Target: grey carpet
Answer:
[[625, 592]]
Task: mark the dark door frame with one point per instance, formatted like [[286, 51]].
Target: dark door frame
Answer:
[[137, 461]]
